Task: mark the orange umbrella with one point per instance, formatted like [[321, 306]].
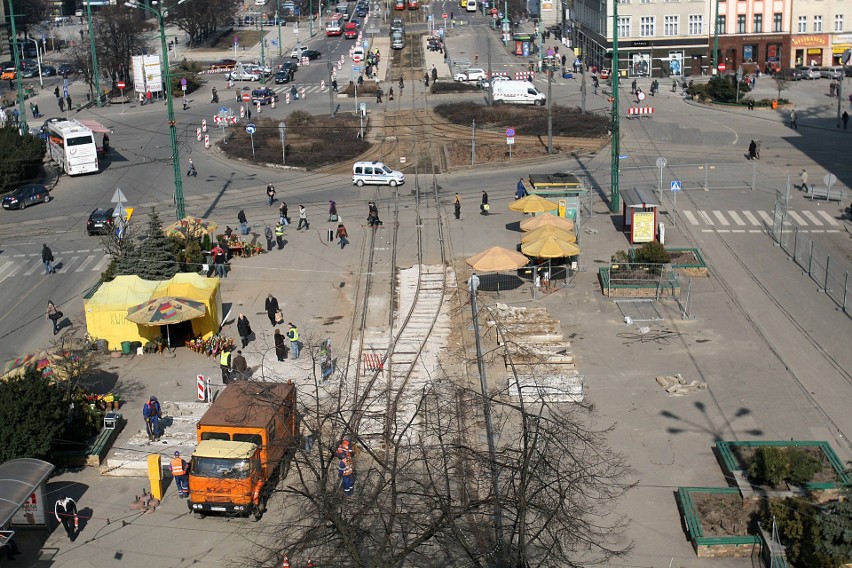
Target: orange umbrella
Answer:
[[550, 247], [547, 231], [497, 259], [533, 204], [547, 219]]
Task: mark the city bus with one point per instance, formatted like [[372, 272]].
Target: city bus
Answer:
[[72, 145], [334, 25]]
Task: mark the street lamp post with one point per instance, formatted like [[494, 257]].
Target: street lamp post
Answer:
[[179, 202], [22, 117], [94, 56], [38, 61], [716, 40], [614, 204], [278, 24]]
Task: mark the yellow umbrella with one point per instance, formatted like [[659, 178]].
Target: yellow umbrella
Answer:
[[550, 247], [193, 227], [533, 204], [546, 231], [546, 219], [497, 259]]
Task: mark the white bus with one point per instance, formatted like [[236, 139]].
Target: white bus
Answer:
[[72, 146]]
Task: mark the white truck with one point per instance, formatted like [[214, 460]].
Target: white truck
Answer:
[[517, 92]]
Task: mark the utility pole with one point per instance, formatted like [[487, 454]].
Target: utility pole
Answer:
[[615, 204], [473, 142], [550, 110], [278, 24], [715, 41], [583, 88], [262, 51], [311, 18], [94, 56], [22, 117], [490, 93], [330, 67]]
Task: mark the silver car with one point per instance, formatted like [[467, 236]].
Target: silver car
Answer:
[[835, 72]]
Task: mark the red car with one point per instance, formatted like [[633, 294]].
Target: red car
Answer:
[[350, 31]]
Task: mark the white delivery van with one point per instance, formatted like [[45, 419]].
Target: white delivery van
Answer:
[[517, 92], [471, 6], [376, 173]]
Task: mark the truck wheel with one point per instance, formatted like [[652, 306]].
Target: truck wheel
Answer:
[[540, 103], [257, 514], [199, 515]]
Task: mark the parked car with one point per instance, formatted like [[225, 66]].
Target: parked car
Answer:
[[362, 9], [311, 54], [358, 55], [472, 74], [65, 68], [29, 73], [48, 70], [795, 74], [835, 72], [283, 76], [25, 196], [397, 24], [485, 83], [263, 96], [291, 66], [265, 71], [243, 75], [298, 51], [9, 73], [100, 222], [810, 73]]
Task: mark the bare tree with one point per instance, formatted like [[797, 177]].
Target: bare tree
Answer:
[[201, 18], [119, 34], [782, 83], [28, 13]]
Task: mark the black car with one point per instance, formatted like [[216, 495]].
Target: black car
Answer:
[[25, 196], [361, 10], [290, 66], [100, 222], [283, 76], [65, 68], [29, 73], [48, 70], [311, 54]]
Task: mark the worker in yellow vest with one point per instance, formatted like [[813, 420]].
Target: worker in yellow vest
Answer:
[[225, 364], [293, 336], [180, 471]]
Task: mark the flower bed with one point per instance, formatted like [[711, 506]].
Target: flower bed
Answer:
[[211, 347], [717, 522]]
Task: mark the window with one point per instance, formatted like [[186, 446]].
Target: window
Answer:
[[721, 25], [646, 26], [838, 22], [817, 23], [758, 23], [776, 23], [696, 24], [670, 25], [624, 26], [741, 24], [803, 25]]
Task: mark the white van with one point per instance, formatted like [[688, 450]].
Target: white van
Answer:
[[376, 173], [471, 6], [517, 92]]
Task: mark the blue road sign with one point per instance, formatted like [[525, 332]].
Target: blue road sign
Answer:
[[64, 82], [510, 132], [297, 11], [224, 110], [251, 128], [274, 43], [676, 186], [623, 157], [65, 91]]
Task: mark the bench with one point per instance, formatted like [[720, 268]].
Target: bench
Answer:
[[819, 192]]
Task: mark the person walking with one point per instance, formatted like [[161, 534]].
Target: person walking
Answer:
[[180, 473], [457, 206], [279, 235], [520, 191], [390, 93], [752, 150], [152, 412], [61, 103], [426, 79], [244, 226], [270, 238], [332, 211], [220, 257], [225, 365], [805, 185], [379, 94], [47, 259], [191, 171], [342, 234], [280, 346], [293, 336], [240, 367], [270, 193], [215, 96], [271, 307], [793, 118], [484, 207], [243, 329], [434, 74], [845, 118], [282, 214], [56, 92], [54, 315], [65, 511], [303, 219]]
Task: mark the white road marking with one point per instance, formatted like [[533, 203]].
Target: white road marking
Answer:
[[831, 220], [706, 218], [85, 263], [721, 218], [765, 216], [812, 218], [690, 217], [66, 265], [751, 218], [797, 218], [736, 218], [8, 267], [99, 267], [36, 266]]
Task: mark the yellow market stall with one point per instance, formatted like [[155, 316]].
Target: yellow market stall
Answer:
[[106, 308]]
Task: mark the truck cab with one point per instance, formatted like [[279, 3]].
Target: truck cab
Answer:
[[225, 477]]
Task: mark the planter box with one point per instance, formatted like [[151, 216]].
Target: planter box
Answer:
[[651, 288], [715, 546], [92, 455]]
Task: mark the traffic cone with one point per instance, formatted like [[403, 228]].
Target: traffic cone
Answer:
[[285, 563]]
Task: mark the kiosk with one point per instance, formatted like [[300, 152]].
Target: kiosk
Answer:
[[639, 215], [565, 188]]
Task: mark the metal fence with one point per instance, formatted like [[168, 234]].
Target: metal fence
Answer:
[[739, 175], [830, 273]]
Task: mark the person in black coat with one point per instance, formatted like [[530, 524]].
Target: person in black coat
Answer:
[[280, 345], [244, 329], [271, 306]]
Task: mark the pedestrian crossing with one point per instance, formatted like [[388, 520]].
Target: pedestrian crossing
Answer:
[[719, 221], [67, 262]]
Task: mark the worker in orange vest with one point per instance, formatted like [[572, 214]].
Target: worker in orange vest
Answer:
[[180, 471], [344, 450]]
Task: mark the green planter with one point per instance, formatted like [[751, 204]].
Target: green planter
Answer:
[[712, 546]]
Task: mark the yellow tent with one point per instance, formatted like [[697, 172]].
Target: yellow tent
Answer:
[[106, 310]]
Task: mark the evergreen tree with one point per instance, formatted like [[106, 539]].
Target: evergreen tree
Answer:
[[835, 525], [156, 257], [33, 409], [129, 261]]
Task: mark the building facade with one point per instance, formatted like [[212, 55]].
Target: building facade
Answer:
[[754, 32], [820, 32], [5, 48]]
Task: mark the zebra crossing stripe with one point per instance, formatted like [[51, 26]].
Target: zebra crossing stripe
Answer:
[[722, 220], [831, 220], [813, 218], [765, 216], [85, 263], [736, 218], [3, 269], [706, 218], [36, 266], [99, 267], [797, 218], [690, 217], [751, 218], [65, 265]]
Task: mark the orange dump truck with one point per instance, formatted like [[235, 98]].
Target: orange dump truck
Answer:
[[242, 440]]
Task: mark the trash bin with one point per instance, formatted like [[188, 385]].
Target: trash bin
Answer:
[[567, 75], [125, 347], [102, 345]]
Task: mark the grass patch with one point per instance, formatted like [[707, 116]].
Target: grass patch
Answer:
[[528, 120], [311, 141]]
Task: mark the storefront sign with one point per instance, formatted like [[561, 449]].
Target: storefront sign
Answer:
[[32, 512], [811, 40], [641, 65]]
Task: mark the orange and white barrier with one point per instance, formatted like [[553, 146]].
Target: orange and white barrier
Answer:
[[639, 111]]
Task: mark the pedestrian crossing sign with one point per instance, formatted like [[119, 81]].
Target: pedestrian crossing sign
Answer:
[[676, 185]]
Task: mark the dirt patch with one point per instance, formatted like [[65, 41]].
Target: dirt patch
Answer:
[[683, 257], [725, 514], [246, 38], [527, 120]]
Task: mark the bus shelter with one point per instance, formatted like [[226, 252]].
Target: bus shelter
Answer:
[[22, 495], [563, 187], [639, 215]]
